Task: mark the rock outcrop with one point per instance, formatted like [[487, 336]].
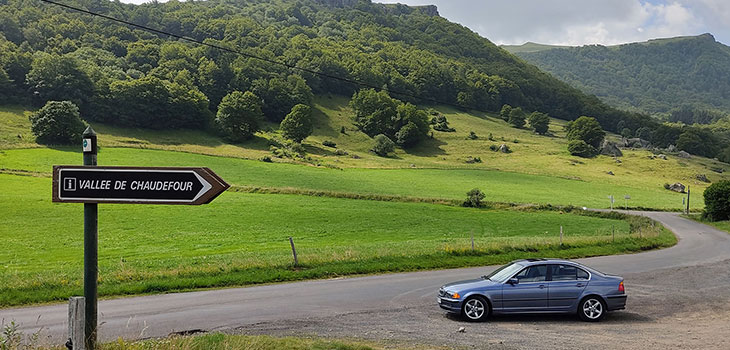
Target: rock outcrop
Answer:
[[676, 187], [609, 148]]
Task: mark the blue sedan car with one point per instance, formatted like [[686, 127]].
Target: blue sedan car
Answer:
[[536, 286]]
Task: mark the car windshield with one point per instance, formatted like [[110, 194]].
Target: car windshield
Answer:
[[503, 273]]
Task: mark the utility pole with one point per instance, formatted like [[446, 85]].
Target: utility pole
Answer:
[[91, 247], [687, 210]]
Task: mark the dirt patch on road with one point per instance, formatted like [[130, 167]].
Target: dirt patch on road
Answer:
[[678, 308]]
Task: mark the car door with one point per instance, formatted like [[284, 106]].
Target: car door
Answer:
[[530, 293], [566, 286]]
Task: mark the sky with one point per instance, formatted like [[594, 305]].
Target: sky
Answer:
[[582, 22]]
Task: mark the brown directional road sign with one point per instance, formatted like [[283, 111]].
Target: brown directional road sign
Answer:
[[136, 185]]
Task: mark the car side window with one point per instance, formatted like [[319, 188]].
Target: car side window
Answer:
[[537, 273], [564, 272], [582, 274]]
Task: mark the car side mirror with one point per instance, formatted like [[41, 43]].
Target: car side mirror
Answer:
[[513, 281]]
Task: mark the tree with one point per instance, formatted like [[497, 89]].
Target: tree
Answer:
[[699, 142], [644, 133], [504, 112], [374, 111], [626, 133], [57, 123], [59, 78], [581, 149], [408, 135], [297, 125], [383, 145], [517, 117], [474, 198], [540, 122], [717, 201], [586, 129], [239, 115], [5, 86]]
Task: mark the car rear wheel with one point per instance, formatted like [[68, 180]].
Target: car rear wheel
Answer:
[[592, 309], [475, 309]]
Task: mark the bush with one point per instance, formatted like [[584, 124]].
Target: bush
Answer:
[[239, 115], [266, 159], [504, 113], [472, 135], [581, 149], [57, 123], [408, 135], [383, 145], [297, 125], [493, 148], [328, 143], [717, 201], [440, 123], [586, 129], [474, 198]]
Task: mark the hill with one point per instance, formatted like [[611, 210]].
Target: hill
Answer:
[[272, 49], [656, 76]]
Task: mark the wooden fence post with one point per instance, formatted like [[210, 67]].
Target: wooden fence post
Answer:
[[561, 235], [76, 328], [294, 251]]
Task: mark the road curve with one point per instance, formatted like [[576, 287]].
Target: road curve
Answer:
[[160, 315]]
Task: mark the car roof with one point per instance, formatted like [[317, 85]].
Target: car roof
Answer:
[[538, 261]]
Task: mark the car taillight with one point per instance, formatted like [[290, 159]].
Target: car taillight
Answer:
[[621, 287]]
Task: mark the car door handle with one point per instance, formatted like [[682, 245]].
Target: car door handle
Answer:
[[542, 286], [580, 285]]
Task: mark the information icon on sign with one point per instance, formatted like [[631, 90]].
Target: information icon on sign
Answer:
[[69, 184]]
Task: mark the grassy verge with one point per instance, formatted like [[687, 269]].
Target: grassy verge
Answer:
[[216, 341], [720, 225], [242, 239]]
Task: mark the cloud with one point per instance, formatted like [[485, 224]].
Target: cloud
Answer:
[[579, 22]]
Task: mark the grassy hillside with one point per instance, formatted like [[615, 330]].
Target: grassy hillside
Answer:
[[654, 76], [539, 170]]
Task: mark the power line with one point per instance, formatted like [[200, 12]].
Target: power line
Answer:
[[239, 52]]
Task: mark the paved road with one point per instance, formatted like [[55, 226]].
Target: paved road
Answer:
[[160, 315]]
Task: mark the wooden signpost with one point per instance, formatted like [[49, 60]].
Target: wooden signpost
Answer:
[[91, 185]]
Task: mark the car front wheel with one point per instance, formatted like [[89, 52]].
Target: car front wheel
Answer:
[[475, 309], [592, 309]]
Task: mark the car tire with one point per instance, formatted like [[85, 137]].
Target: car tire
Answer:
[[475, 309], [592, 309]]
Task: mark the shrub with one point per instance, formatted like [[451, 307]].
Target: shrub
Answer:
[[504, 113], [586, 129], [266, 159], [494, 148], [717, 201], [57, 123], [474, 198], [408, 135], [472, 136], [328, 143], [342, 130], [491, 137], [581, 149], [383, 145], [440, 123], [297, 125]]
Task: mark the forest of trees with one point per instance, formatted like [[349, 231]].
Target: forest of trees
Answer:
[[120, 75], [657, 76]]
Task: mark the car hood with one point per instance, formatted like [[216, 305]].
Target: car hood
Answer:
[[468, 284]]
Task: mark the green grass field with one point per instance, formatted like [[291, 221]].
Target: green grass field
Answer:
[[242, 239], [430, 183]]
